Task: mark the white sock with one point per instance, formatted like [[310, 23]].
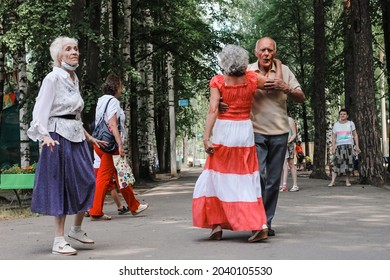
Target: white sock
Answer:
[[59, 239], [75, 228]]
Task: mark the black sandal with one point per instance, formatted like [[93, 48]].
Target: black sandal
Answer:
[[123, 210]]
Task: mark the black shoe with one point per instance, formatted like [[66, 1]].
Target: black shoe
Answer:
[[123, 210], [271, 232]]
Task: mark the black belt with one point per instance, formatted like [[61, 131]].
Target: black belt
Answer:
[[69, 117]]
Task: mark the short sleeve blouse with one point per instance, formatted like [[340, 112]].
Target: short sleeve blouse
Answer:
[[218, 81], [238, 97]]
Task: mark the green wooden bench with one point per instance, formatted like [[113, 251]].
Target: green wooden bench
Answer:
[[17, 182]]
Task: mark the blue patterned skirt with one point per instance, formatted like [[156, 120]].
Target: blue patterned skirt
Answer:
[[64, 179]]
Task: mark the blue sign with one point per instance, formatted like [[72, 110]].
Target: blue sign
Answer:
[[184, 102]]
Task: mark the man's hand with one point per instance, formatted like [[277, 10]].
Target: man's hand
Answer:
[[275, 84], [222, 107]]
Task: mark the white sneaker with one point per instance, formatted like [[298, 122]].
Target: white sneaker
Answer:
[[141, 208], [63, 248], [294, 189], [80, 236]]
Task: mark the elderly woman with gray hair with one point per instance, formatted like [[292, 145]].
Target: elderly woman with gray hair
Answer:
[[64, 180], [227, 194]]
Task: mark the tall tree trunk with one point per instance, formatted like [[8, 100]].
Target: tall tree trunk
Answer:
[[172, 118], [349, 86], [92, 73], [146, 101], [386, 33], [160, 116], [319, 91], [20, 60], [185, 149], [385, 151], [302, 79], [329, 133], [134, 136], [77, 15], [126, 54], [161, 143], [2, 72], [2, 82], [305, 129], [77, 19], [115, 33], [371, 162]]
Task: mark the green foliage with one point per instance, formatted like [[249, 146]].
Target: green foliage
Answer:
[[290, 23], [30, 26]]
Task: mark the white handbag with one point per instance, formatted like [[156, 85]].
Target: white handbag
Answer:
[[125, 173]]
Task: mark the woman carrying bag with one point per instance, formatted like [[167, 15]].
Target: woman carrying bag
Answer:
[[108, 108]]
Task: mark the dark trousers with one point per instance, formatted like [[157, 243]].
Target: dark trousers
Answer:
[[271, 152]]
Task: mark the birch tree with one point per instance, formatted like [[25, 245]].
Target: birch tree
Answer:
[[146, 102], [126, 54], [385, 5], [172, 122], [22, 84]]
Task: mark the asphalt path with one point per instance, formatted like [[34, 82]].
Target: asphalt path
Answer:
[[316, 223]]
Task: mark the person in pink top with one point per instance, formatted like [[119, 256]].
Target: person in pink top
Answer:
[[343, 137], [227, 194]]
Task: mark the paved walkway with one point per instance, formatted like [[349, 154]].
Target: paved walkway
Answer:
[[316, 223]]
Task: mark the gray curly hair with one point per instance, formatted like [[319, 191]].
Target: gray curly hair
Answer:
[[233, 60]]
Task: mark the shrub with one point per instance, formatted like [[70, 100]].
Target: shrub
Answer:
[[16, 169]]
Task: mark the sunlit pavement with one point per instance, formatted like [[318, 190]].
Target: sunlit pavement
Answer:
[[316, 223]]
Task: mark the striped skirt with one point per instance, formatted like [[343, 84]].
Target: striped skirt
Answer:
[[228, 191]]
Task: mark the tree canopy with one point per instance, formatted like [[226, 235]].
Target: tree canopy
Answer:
[[137, 38]]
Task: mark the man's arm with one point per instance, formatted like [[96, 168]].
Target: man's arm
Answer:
[[295, 94]]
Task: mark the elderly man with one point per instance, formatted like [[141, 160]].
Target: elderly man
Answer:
[[270, 121]]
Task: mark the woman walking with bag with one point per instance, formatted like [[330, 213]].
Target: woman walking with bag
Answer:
[[108, 108]]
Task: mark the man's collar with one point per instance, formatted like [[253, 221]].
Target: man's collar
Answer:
[[273, 67]]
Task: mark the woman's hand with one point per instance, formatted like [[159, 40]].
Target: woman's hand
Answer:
[[208, 147], [98, 143], [47, 140], [93, 141], [121, 151], [357, 149]]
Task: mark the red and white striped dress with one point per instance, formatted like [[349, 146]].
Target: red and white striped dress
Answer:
[[228, 191]]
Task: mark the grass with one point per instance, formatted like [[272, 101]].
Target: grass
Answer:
[[15, 213]]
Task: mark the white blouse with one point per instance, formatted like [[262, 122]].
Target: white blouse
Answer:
[[59, 95], [114, 107]]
